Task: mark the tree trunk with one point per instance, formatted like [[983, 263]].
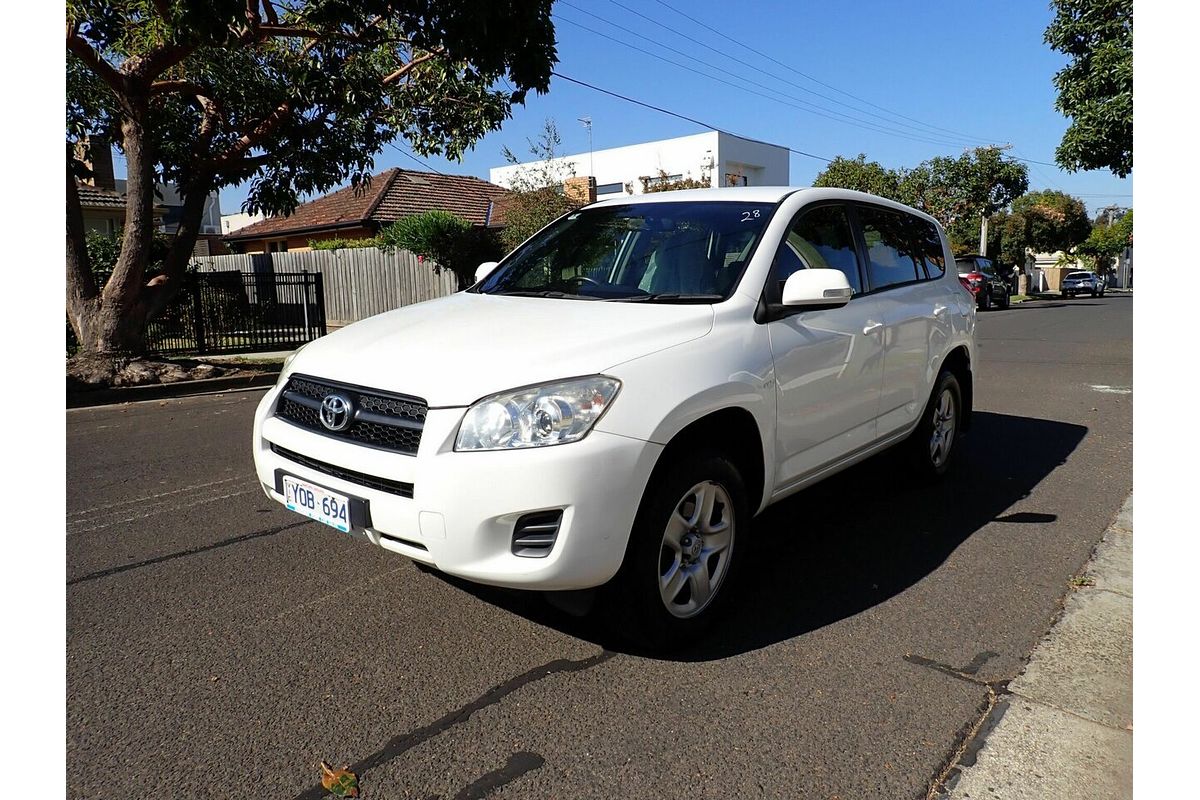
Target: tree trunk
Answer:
[[82, 294]]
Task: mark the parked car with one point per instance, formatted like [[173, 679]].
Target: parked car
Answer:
[[1080, 282], [984, 281], [611, 404]]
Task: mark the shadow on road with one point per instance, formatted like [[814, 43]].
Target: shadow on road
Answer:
[[854, 540]]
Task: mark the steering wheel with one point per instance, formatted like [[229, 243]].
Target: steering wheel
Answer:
[[581, 279]]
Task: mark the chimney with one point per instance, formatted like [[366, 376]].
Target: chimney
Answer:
[[581, 190], [101, 165]]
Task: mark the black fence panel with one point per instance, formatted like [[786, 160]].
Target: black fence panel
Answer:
[[240, 312]]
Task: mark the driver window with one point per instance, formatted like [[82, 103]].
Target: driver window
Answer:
[[820, 238]]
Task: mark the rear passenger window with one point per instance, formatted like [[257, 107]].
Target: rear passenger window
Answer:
[[929, 244], [892, 257], [819, 238]]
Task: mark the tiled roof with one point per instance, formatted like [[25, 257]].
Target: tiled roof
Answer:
[[391, 195], [92, 197]]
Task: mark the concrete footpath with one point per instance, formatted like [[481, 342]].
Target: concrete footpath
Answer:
[[1064, 729]]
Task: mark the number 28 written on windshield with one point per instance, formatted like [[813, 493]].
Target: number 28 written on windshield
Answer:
[[749, 215]]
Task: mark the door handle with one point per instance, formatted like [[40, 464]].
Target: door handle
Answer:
[[871, 327]]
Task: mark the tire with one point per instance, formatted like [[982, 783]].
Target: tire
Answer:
[[934, 443], [676, 549], [986, 302], [1005, 301]]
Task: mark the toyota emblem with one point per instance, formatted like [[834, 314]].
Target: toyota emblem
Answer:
[[336, 412]]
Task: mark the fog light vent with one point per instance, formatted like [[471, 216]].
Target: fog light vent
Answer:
[[534, 534]]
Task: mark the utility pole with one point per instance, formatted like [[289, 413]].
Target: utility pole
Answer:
[[983, 232], [587, 123]]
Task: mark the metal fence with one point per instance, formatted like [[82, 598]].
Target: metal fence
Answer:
[[238, 312], [358, 282]]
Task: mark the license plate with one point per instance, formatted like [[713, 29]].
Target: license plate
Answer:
[[317, 503]]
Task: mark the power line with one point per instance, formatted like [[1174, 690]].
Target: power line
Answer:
[[684, 117], [759, 70], [866, 125], [726, 37], [414, 158]]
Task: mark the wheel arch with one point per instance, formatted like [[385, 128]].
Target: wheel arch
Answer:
[[732, 431]]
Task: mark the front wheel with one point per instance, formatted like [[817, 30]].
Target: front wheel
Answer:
[[933, 444], [986, 302], [678, 563]]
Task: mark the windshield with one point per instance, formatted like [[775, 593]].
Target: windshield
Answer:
[[656, 252], [1079, 275]]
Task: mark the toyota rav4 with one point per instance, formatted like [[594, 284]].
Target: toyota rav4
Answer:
[[612, 403]]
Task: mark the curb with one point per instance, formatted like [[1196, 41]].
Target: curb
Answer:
[[1066, 721], [159, 391]]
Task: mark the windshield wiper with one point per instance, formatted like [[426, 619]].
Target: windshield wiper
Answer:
[[670, 297], [545, 293]]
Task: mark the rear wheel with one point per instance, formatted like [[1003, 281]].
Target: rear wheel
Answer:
[[933, 445], [677, 566], [985, 300]]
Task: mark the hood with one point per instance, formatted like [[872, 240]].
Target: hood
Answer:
[[454, 350]]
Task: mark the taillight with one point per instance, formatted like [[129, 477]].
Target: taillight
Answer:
[[973, 288]]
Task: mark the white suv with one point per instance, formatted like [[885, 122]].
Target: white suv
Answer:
[[614, 401]]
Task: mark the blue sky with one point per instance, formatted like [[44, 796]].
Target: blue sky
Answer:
[[978, 68]]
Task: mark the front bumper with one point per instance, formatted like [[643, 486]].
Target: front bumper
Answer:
[[464, 506]]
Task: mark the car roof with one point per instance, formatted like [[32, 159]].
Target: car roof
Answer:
[[754, 194]]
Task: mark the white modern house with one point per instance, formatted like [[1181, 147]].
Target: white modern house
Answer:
[[720, 158]]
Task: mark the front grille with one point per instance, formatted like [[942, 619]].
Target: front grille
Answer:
[[380, 419], [534, 534], [353, 476]]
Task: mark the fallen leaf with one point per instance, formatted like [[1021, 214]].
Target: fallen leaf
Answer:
[[341, 782]]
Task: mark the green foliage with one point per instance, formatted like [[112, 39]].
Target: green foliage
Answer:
[[861, 176], [537, 197], [338, 243], [1107, 241], [955, 191], [663, 183], [1095, 90], [449, 241], [1045, 221]]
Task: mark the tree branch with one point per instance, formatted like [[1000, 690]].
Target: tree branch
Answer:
[[81, 284], [249, 140], [84, 52], [181, 86], [400, 73]]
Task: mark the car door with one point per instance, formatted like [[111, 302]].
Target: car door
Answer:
[[828, 362], [905, 263]]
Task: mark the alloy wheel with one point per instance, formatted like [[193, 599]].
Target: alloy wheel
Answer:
[[944, 420], [696, 548]]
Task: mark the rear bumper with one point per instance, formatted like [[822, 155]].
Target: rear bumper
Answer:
[[463, 508]]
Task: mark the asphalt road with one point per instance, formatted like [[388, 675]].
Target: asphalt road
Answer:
[[218, 646]]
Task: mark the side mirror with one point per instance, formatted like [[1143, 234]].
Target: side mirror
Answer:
[[484, 269], [827, 288]]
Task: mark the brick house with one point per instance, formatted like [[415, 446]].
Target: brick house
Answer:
[[350, 214]]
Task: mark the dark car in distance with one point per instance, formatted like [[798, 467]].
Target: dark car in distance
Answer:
[[982, 278]]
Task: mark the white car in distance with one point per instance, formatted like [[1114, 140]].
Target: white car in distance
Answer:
[[612, 404]]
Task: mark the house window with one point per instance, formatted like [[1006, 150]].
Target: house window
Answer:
[[610, 188], [736, 179], [655, 181], [277, 247]]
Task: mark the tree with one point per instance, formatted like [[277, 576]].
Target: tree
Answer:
[[1107, 240], [861, 176], [449, 241], [1045, 222], [293, 97], [537, 197], [1095, 90], [969, 188]]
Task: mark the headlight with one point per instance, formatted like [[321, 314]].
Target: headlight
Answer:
[[287, 363], [537, 416]]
